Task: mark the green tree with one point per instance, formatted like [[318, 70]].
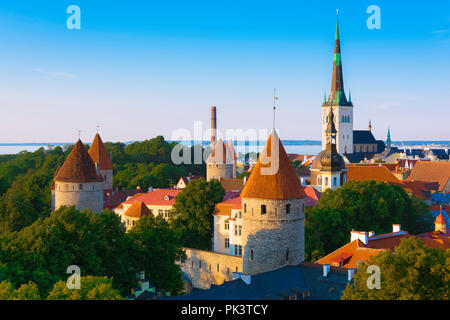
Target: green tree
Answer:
[[158, 250], [412, 272], [191, 215], [27, 291], [97, 243], [366, 205], [91, 288]]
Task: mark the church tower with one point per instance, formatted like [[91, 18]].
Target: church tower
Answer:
[[273, 212], [78, 183], [102, 159], [337, 101], [328, 170]]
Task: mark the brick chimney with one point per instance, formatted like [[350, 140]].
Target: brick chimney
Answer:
[[213, 124]]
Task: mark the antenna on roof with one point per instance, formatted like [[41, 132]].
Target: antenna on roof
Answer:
[[274, 106]]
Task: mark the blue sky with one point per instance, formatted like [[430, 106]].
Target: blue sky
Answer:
[[147, 68]]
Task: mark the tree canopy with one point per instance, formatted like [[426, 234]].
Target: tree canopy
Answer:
[[191, 215], [412, 272], [367, 205]]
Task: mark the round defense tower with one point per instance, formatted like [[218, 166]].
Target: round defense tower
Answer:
[[78, 183], [273, 212], [218, 164]]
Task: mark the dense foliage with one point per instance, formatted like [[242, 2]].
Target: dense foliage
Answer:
[[97, 243], [412, 272], [364, 206], [191, 215]]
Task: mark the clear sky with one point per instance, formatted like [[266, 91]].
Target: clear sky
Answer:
[[143, 68]]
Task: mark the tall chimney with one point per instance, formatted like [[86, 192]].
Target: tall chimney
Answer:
[[213, 124]]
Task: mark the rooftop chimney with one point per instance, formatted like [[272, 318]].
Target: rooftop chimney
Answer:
[[371, 233], [396, 228], [326, 269], [350, 274], [362, 236], [213, 124]]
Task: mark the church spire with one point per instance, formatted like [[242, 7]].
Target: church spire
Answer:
[[388, 140], [337, 94]]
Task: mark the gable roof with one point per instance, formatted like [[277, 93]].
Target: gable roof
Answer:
[[431, 171], [273, 179], [224, 208], [363, 137], [232, 184], [98, 153], [161, 197], [78, 167], [370, 172], [138, 210]]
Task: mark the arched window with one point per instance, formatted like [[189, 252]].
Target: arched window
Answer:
[[288, 208], [251, 254], [326, 181], [334, 181], [245, 207], [263, 209]]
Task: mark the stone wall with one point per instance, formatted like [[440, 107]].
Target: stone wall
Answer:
[[275, 239], [205, 267], [107, 179], [87, 195]]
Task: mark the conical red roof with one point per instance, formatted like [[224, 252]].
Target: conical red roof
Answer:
[[78, 166], [266, 182], [98, 153]]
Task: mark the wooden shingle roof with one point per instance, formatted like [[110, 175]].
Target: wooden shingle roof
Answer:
[[78, 167], [98, 153]]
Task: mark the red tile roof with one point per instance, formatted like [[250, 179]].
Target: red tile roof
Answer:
[[265, 182], [312, 196], [157, 197], [78, 167], [98, 153], [225, 207], [431, 171]]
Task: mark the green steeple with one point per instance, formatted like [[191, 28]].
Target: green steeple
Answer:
[[337, 93], [388, 141]]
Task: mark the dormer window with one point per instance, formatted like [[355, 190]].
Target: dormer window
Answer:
[[166, 198]]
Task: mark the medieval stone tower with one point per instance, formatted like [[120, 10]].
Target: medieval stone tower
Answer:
[[221, 163], [337, 101], [77, 183], [273, 212], [102, 160]]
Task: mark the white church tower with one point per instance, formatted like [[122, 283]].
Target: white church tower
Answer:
[[342, 108]]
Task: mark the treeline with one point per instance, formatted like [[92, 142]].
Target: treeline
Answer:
[[26, 177]]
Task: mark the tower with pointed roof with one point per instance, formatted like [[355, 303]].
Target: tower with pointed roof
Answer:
[[337, 101], [221, 162], [328, 170], [273, 212], [78, 183], [102, 161]]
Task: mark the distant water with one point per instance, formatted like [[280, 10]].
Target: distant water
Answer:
[[291, 146]]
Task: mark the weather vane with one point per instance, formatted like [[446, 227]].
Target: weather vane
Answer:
[[274, 106], [98, 126], [79, 134]]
